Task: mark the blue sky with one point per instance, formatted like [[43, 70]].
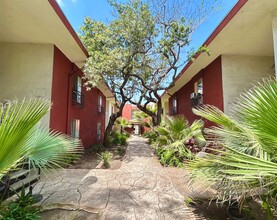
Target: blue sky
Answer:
[[76, 10]]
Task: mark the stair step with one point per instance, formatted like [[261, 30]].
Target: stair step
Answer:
[[19, 174], [31, 178]]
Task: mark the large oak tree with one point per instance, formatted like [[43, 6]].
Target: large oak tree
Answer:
[[138, 54]]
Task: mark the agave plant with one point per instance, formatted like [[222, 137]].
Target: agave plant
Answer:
[[21, 138], [247, 163]]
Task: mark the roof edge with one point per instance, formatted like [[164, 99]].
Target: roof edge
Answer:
[[66, 23], [214, 34]]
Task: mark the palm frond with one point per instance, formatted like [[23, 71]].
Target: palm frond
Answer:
[[17, 119]]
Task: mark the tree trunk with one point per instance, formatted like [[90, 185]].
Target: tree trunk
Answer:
[[159, 112], [112, 120], [108, 130]]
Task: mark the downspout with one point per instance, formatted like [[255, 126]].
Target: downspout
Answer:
[[71, 73]]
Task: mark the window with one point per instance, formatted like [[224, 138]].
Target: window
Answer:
[[75, 128], [77, 95], [174, 106], [197, 95], [100, 107], [198, 87], [133, 113], [99, 131]]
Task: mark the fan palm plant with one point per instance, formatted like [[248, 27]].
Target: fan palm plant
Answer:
[[247, 161], [177, 139], [176, 132], [144, 118], [123, 124], [21, 138]]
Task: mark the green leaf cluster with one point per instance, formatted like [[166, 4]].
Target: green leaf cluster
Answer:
[[247, 164], [21, 138]]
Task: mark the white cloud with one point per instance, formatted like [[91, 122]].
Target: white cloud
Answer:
[[74, 1], [60, 2]]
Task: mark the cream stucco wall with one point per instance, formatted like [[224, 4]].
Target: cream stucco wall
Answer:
[[109, 105], [240, 72], [26, 71], [165, 107]]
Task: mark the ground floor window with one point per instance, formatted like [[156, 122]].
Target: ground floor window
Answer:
[[75, 128], [98, 131]]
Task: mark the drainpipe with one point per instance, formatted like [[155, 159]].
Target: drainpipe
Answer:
[[71, 73]]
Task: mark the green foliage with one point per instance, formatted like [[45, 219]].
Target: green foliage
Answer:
[[123, 124], [176, 140], [248, 159], [144, 118], [138, 52], [120, 150], [151, 135], [21, 138], [170, 157], [21, 209], [119, 138], [189, 201], [105, 157], [96, 148]]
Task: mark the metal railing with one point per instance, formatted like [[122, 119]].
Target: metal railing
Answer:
[[78, 98]]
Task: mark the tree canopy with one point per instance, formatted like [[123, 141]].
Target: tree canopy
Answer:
[[138, 53]]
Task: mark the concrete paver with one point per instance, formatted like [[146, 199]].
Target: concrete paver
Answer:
[[140, 189]]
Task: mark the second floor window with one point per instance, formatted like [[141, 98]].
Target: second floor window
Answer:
[[100, 104], [77, 90], [197, 97], [174, 106]]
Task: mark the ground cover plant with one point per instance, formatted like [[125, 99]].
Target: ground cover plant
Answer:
[[22, 208], [176, 141], [105, 157], [247, 163], [117, 138]]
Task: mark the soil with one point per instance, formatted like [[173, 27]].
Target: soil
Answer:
[[90, 160], [87, 161], [210, 210]]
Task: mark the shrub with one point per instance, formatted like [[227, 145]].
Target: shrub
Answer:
[[120, 150], [119, 138], [177, 141], [20, 209], [151, 135], [105, 157], [246, 164], [96, 148]]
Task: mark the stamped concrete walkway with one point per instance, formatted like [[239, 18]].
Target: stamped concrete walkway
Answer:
[[140, 189]]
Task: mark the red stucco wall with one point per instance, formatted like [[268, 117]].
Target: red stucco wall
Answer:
[[127, 111], [212, 91], [63, 111]]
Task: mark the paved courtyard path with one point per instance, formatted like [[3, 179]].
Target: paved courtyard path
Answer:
[[140, 189]]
